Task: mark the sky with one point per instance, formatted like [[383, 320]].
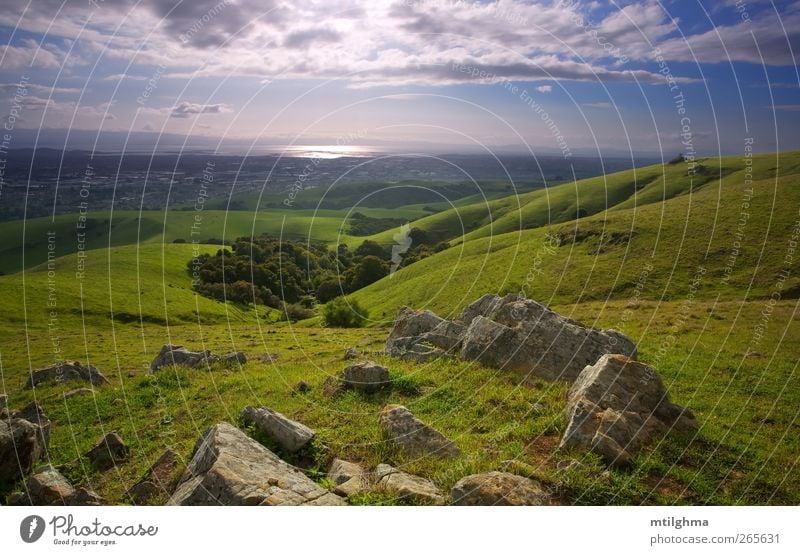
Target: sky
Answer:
[[562, 77]]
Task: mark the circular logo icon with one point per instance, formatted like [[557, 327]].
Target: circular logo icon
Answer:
[[31, 528]]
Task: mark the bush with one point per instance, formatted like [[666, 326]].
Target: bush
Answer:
[[342, 314], [295, 312]]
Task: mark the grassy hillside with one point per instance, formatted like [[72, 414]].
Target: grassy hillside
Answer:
[[723, 342]]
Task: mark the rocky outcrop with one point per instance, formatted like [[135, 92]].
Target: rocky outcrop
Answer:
[[348, 478], [20, 448], [229, 468], [366, 376], [159, 478], [616, 406], [291, 436], [407, 486], [65, 371], [177, 355], [510, 332], [412, 435], [499, 488], [108, 452]]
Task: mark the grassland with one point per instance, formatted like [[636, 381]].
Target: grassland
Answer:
[[725, 343]]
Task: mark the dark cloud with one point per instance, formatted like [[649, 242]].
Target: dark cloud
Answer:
[[306, 37]]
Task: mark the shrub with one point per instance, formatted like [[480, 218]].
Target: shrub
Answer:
[[339, 313]]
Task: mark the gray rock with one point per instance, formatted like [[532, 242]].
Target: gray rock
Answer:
[[22, 443], [412, 435], [499, 488], [229, 468], [3, 402], [34, 413], [234, 358], [78, 391], [348, 477], [509, 332], [366, 376], [159, 478], [351, 353], [177, 355], [290, 435], [616, 406], [108, 452], [65, 371], [48, 487], [408, 486], [411, 323]]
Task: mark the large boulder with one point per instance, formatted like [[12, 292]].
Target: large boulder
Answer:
[[499, 488], [616, 406], [21, 445], [366, 376], [49, 487], [291, 436], [348, 477], [65, 371], [407, 486], [229, 468], [510, 332], [34, 413], [177, 355], [108, 452], [412, 435]]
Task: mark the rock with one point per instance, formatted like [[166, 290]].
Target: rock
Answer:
[[499, 488], [350, 353], [366, 376], [229, 468], [108, 452], [3, 402], [21, 445], [86, 497], [78, 391], [414, 436], [34, 413], [269, 358], [408, 486], [411, 323], [235, 358], [348, 477], [131, 374], [616, 406], [49, 487], [176, 355], [65, 371], [302, 387], [509, 332], [158, 479], [571, 464], [289, 435]]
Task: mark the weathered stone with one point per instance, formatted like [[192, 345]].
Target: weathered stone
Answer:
[[48, 487], [408, 486], [411, 323], [348, 477], [289, 435], [108, 452], [177, 355], [499, 488], [21, 445], [159, 478], [66, 371], [509, 332], [34, 413], [350, 353], [86, 497], [616, 406], [366, 376], [237, 357], [229, 468], [78, 391], [414, 436]]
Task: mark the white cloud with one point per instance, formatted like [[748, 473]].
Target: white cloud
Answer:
[[545, 88]]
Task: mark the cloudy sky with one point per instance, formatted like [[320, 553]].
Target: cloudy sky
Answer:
[[587, 76]]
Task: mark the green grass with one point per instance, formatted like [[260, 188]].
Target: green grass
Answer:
[[696, 335]]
